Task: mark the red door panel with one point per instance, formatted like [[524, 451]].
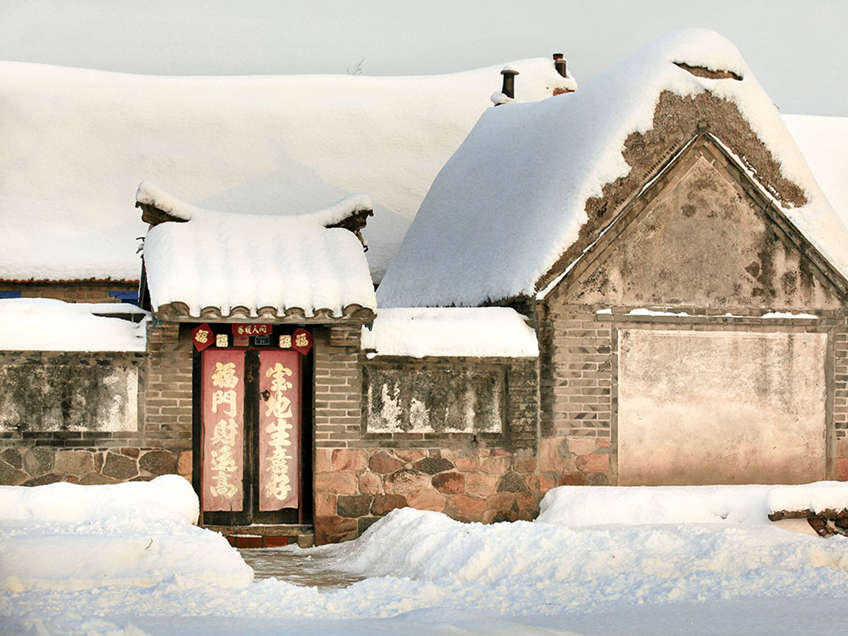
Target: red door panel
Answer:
[[279, 430], [222, 430]]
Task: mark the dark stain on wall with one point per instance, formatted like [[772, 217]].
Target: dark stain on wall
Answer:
[[68, 392]]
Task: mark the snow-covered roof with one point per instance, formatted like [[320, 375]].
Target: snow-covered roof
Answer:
[[207, 264], [824, 144], [513, 199], [452, 331], [77, 142]]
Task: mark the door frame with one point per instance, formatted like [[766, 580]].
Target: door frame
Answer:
[[251, 513]]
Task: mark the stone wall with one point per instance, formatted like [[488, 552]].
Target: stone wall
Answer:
[[361, 475], [470, 482], [72, 292], [159, 442]]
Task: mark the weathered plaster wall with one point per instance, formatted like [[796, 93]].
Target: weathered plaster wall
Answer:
[[449, 398], [69, 391], [720, 407]]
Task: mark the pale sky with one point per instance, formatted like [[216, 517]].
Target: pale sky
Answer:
[[798, 50]]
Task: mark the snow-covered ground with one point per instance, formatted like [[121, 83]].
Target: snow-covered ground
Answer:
[[125, 559]]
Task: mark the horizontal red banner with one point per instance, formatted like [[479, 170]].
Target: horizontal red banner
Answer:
[[252, 330]]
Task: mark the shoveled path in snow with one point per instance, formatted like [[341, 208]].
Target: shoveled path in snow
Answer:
[[297, 567]]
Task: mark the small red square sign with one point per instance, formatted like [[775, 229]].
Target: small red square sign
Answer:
[[202, 337], [301, 341]]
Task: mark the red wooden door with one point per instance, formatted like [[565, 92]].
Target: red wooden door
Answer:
[[251, 437]]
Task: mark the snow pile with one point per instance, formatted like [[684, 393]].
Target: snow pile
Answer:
[[476, 332], [512, 198], [824, 143], [71, 537], [45, 324], [226, 260], [610, 562], [168, 497], [277, 143]]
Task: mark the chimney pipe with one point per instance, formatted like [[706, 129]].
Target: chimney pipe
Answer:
[[559, 64], [509, 74]]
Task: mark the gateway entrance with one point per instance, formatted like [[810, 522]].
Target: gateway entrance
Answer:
[[252, 433]]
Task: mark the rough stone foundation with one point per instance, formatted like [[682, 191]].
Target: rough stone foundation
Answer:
[[39, 465], [355, 487]]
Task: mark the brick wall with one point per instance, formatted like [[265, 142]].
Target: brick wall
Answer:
[[161, 443], [167, 408], [83, 292], [577, 366], [840, 403]]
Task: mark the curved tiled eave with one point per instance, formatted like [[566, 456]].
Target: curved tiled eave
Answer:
[[179, 312]]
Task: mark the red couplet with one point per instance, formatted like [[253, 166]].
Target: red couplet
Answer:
[[223, 430], [279, 430]]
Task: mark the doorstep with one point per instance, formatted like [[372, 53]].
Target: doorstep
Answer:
[[266, 536]]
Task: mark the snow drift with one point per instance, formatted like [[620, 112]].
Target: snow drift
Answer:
[[70, 537], [595, 534]]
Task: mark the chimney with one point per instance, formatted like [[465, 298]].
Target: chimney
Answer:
[[509, 74], [559, 64]]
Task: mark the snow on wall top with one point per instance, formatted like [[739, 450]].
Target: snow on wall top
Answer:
[[512, 198], [227, 260], [43, 324], [474, 332], [77, 142], [824, 143]]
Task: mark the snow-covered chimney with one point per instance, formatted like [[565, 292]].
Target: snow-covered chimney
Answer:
[[559, 64], [509, 74]]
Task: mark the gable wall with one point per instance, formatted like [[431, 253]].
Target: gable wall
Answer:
[[701, 246], [702, 241]]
